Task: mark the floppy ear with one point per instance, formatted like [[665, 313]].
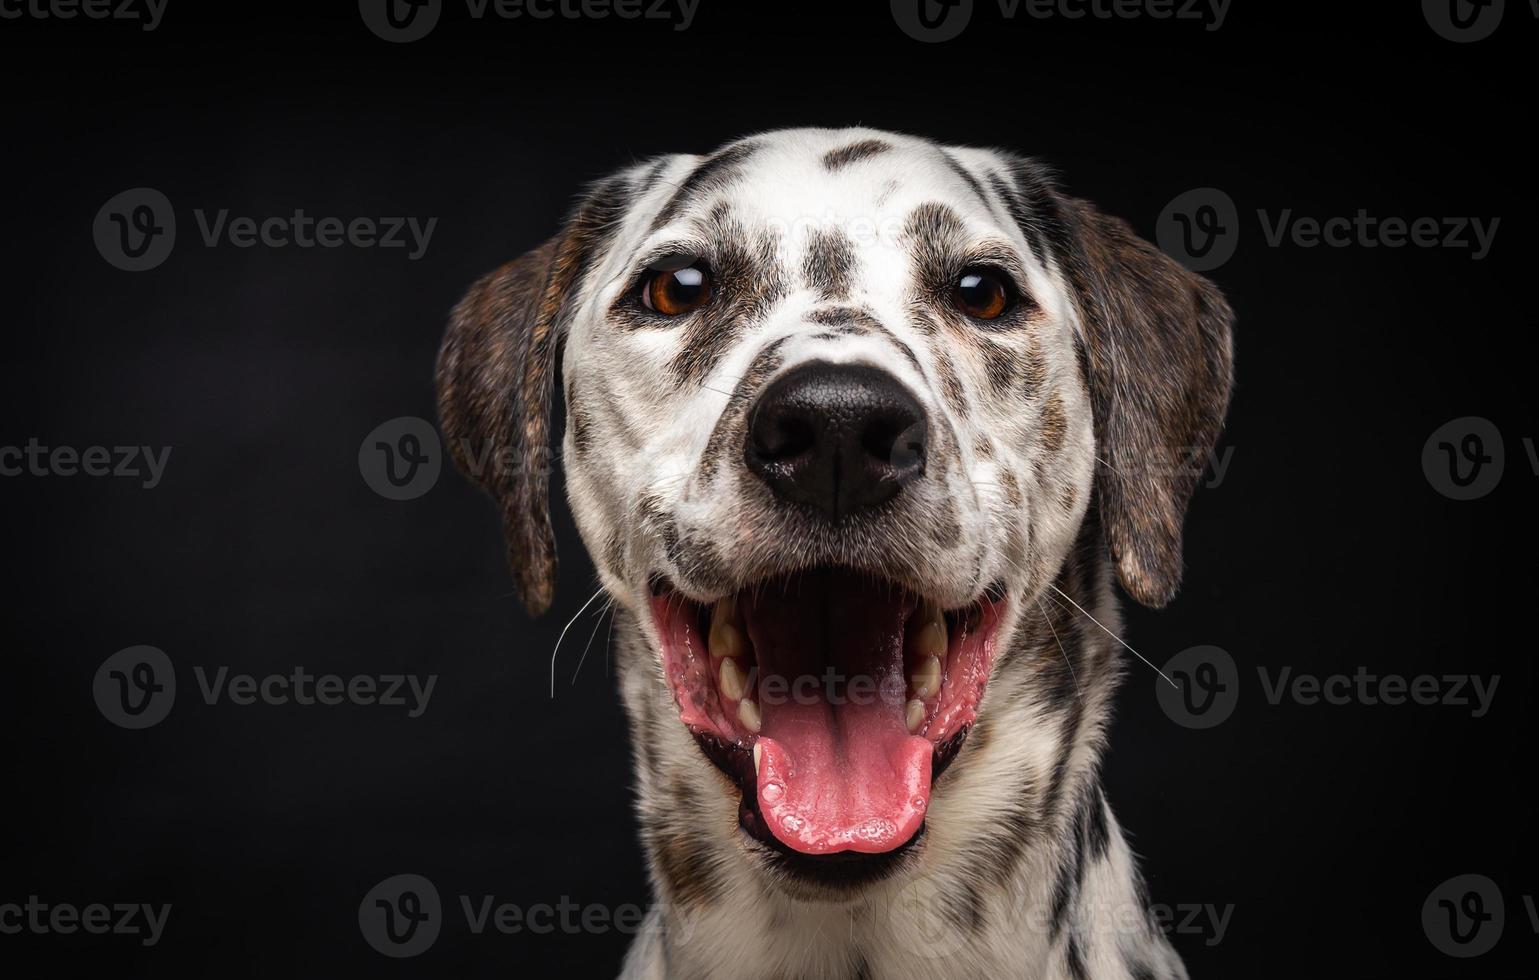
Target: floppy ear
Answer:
[[1159, 347], [496, 379]]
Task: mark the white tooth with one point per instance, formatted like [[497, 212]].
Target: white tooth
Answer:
[[748, 714], [734, 683], [925, 681], [726, 638], [927, 633], [758, 754], [915, 715]]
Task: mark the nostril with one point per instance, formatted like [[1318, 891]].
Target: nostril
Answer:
[[783, 438], [896, 442]]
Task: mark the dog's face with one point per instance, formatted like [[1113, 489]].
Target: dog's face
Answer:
[[837, 404]]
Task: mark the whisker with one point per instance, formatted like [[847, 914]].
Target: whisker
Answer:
[[1112, 635], [1049, 617], [564, 629], [591, 636]]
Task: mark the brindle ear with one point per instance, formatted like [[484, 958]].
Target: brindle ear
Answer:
[[496, 379], [1160, 354]]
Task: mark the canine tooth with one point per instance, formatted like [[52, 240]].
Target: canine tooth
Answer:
[[757, 755], [926, 678], [914, 715], [726, 638], [734, 683], [927, 633], [748, 714]]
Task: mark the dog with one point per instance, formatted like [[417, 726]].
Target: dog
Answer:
[[858, 429]]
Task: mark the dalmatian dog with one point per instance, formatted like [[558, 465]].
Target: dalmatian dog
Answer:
[[858, 430]]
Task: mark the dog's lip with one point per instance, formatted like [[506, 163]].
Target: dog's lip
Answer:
[[731, 746]]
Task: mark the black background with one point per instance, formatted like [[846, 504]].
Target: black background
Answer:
[[1324, 549]]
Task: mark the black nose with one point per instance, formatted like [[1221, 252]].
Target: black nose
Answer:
[[837, 437]]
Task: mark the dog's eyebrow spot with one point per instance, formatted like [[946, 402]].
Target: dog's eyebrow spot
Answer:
[[829, 264], [1033, 202], [960, 169], [837, 159], [714, 173]]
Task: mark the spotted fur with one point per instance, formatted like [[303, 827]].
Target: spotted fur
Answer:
[[1053, 428]]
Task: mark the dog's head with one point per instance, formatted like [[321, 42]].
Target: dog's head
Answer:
[[837, 403]]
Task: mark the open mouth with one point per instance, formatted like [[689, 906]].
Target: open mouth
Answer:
[[832, 698]]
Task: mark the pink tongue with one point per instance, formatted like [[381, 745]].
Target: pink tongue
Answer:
[[838, 770]]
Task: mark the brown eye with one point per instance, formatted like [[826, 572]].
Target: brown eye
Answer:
[[981, 294], [676, 291]]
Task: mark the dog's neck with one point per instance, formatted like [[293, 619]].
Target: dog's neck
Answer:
[[1023, 870]]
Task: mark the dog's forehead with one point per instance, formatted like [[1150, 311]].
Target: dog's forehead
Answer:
[[802, 184]]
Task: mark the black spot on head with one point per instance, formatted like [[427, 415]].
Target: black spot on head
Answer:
[[837, 159], [714, 173], [935, 237], [1034, 203], [829, 266], [965, 175]]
